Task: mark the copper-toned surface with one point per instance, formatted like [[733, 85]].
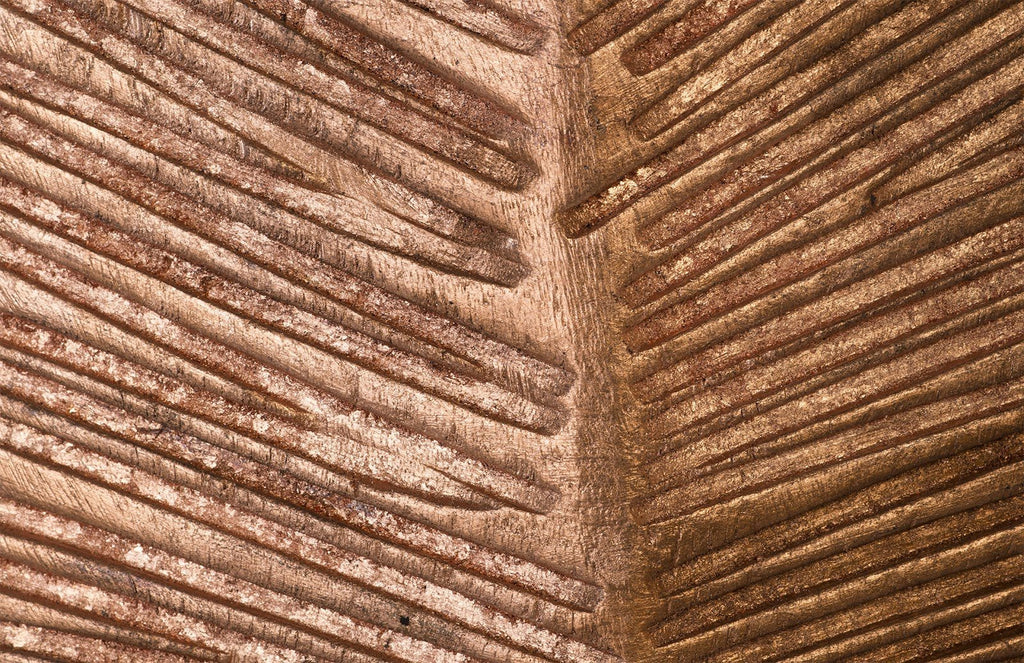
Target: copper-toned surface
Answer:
[[511, 330]]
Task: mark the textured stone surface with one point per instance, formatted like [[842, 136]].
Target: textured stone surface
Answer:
[[511, 330]]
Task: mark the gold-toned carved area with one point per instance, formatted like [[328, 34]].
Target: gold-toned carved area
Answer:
[[814, 211], [511, 330]]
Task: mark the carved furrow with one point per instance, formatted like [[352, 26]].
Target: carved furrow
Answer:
[[127, 443], [308, 89], [896, 231], [344, 50], [50, 645], [331, 414], [161, 93], [299, 112], [712, 51], [299, 483], [700, 21], [155, 562], [929, 391], [774, 215], [345, 466], [366, 428], [718, 348], [1001, 548], [337, 40], [803, 97], [852, 349], [245, 381], [10, 656], [82, 599], [612, 21], [750, 53], [315, 554], [819, 221], [880, 552], [488, 19], [267, 637], [901, 502], [689, 217], [56, 617], [1007, 320], [839, 52], [247, 295], [361, 297], [990, 581], [954, 628], [234, 247], [176, 395], [690, 486], [502, 566], [860, 618], [341, 224], [318, 601]]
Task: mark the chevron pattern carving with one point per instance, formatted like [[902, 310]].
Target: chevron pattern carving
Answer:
[[511, 330]]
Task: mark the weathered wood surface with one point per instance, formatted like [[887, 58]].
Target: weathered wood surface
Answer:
[[511, 330]]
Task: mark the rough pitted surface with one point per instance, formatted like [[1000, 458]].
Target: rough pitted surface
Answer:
[[511, 330]]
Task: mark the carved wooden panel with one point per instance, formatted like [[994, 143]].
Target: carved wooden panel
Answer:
[[511, 330]]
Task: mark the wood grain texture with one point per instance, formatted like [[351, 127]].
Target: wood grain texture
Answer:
[[511, 330]]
